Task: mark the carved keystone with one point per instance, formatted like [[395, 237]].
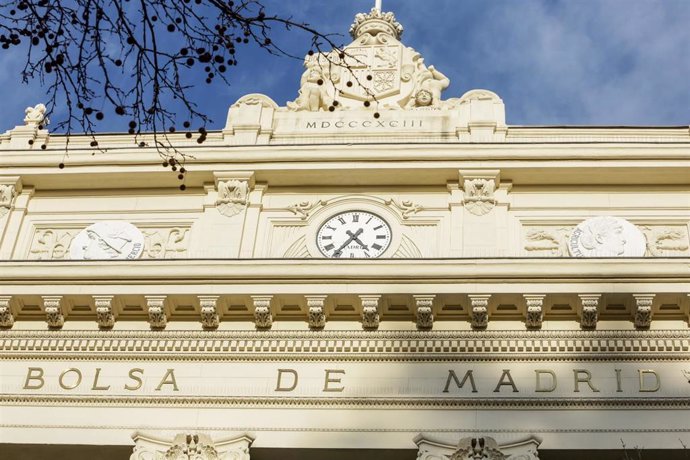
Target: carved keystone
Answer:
[[53, 311], [643, 313], [155, 305], [480, 187], [590, 314], [6, 318], [425, 315], [370, 311], [104, 311], [209, 311], [317, 313], [535, 314], [233, 191], [479, 316], [263, 317]]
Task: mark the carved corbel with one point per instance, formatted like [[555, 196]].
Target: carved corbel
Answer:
[[104, 311], [209, 311], [590, 313], [53, 310], [479, 316], [263, 316], [370, 311], [10, 187], [317, 311], [233, 191], [155, 306], [425, 315], [479, 190], [535, 314], [643, 312], [190, 446], [6, 317]]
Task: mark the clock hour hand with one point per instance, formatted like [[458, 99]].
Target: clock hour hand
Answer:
[[357, 240], [339, 251]]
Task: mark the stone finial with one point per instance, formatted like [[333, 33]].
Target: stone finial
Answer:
[[36, 116], [374, 23], [590, 314], [425, 315], [479, 316]]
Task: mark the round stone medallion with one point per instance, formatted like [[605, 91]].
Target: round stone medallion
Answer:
[[607, 236], [110, 239]]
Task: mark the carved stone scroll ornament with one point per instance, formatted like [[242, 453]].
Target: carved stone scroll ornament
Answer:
[[405, 207], [104, 311], [590, 313], [643, 310], [263, 316], [478, 448], [667, 241], [155, 307], [317, 312], [547, 241], [304, 208], [53, 310], [425, 315], [479, 315], [165, 243], [35, 116], [233, 197], [190, 447], [479, 195], [370, 311], [6, 317], [7, 194], [209, 312]]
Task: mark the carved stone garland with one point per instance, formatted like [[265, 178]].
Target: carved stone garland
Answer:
[[6, 317], [643, 313], [317, 313], [479, 316], [370, 311], [425, 316], [53, 311], [535, 314], [104, 311], [263, 317], [155, 306], [209, 311], [590, 314]]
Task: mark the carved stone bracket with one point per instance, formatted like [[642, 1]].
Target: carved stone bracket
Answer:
[[370, 311], [104, 311], [10, 187], [155, 306], [481, 447], [479, 190], [405, 207], [263, 316], [233, 191], [189, 446], [317, 312], [209, 311], [643, 312], [53, 310], [535, 314], [6, 317], [590, 313], [425, 315], [304, 208], [479, 316]]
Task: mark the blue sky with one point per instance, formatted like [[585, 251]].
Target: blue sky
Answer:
[[554, 62]]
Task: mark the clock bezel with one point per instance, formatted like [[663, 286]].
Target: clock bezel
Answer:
[[350, 210]]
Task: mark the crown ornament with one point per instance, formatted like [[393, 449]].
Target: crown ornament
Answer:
[[376, 22]]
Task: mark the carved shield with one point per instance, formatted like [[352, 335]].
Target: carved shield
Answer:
[[371, 71]]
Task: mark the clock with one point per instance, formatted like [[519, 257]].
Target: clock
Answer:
[[354, 235]]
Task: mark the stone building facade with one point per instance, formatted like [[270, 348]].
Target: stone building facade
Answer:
[[371, 271]]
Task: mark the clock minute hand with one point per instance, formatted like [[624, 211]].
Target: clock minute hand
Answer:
[[357, 240], [339, 251]]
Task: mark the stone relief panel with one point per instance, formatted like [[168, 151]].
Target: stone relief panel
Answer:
[[552, 240], [159, 242]]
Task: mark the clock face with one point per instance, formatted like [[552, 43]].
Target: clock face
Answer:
[[354, 235]]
